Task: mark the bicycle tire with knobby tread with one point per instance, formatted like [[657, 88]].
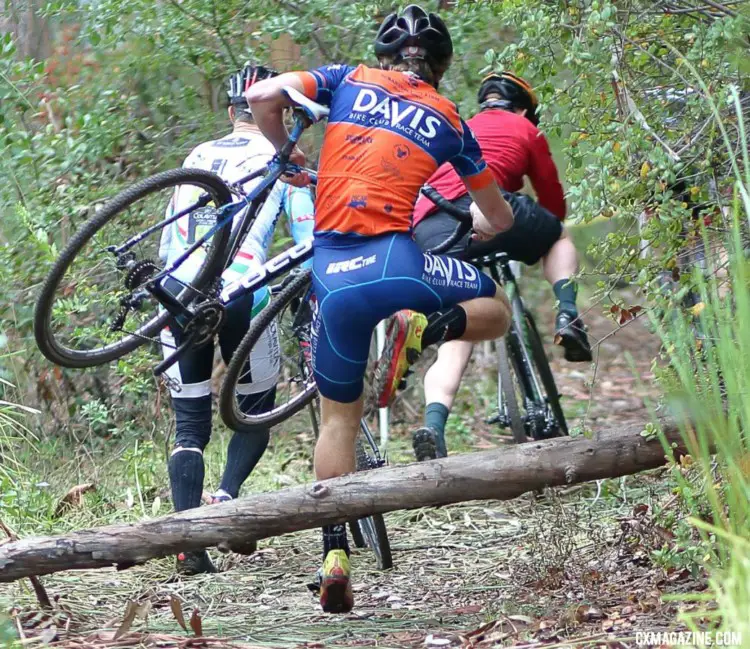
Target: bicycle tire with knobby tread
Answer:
[[539, 357], [373, 528], [43, 309], [260, 422], [509, 394]]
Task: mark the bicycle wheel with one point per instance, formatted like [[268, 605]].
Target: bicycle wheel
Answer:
[[81, 301], [373, 527], [539, 357], [507, 386], [277, 323]]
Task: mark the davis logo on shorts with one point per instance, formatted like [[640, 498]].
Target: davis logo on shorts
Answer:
[[350, 264], [446, 271]]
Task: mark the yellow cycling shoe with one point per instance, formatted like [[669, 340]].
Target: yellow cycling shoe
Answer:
[[335, 585], [403, 345]]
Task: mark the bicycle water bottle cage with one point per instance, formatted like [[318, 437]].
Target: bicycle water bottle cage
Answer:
[[312, 110]]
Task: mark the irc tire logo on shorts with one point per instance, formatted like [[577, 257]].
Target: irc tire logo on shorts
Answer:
[[350, 264]]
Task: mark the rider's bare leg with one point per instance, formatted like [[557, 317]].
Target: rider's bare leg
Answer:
[[561, 261], [335, 456], [334, 452], [487, 318], [442, 379], [441, 384]]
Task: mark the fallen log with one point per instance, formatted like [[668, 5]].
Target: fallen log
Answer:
[[499, 474]]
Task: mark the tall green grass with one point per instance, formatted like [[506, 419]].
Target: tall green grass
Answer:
[[709, 355], [13, 432]]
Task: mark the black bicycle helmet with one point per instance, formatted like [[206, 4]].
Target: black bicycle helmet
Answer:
[[514, 92], [415, 34], [241, 80]]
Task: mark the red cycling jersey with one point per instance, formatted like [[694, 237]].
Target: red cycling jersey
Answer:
[[387, 133], [513, 148]]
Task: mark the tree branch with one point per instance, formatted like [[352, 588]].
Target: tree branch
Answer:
[[498, 474]]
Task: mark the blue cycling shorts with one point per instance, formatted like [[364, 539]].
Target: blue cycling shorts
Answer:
[[360, 281]]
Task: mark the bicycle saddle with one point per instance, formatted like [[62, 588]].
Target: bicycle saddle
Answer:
[[314, 111]]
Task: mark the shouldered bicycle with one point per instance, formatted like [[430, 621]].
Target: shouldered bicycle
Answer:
[[106, 293]]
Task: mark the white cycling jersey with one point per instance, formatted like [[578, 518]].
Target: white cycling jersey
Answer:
[[232, 157]]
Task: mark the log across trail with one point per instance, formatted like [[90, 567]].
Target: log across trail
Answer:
[[499, 474]]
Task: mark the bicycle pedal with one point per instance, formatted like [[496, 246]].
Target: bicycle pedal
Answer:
[[493, 420]]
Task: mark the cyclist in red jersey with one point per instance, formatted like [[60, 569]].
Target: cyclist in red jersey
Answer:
[[388, 131], [513, 147]]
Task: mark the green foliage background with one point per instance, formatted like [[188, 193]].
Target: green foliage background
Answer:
[[126, 89], [635, 94]]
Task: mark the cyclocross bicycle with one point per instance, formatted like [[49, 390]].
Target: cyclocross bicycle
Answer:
[[527, 398], [104, 297], [105, 294]]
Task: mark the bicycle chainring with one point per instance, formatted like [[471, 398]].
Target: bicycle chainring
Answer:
[[206, 321]]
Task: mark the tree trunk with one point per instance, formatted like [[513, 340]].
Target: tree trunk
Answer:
[[30, 28], [499, 474]]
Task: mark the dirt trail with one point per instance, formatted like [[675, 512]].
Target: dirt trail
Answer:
[[621, 374], [490, 574]]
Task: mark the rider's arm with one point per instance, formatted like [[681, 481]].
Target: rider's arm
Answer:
[[267, 104], [165, 242], [267, 101], [480, 183], [493, 207], [167, 235], [544, 177], [300, 210], [259, 238]]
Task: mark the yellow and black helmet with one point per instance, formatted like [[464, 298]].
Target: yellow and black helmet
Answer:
[[514, 90]]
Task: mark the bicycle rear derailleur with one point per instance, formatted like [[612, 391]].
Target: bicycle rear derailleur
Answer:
[[139, 272]]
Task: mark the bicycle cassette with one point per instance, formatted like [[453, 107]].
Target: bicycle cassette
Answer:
[[140, 273]]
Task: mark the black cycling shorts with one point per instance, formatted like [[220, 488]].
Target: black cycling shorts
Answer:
[[535, 230]]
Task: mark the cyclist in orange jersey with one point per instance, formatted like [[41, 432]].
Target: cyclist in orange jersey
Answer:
[[388, 131]]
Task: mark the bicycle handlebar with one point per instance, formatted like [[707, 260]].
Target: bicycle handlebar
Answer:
[[444, 204], [463, 216]]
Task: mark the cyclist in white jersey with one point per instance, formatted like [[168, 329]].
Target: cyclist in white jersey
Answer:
[[231, 157]]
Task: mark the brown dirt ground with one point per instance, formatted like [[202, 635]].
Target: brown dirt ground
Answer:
[[565, 569]]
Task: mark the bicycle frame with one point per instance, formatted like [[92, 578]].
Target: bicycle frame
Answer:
[[254, 279], [532, 390]]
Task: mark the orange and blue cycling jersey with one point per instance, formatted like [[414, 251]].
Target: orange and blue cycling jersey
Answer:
[[387, 133]]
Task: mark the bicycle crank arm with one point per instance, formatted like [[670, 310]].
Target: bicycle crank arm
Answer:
[[169, 301]]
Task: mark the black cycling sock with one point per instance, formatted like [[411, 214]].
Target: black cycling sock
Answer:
[[244, 452], [435, 417], [334, 538], [566, 292], [186, 473], [443, 326]]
